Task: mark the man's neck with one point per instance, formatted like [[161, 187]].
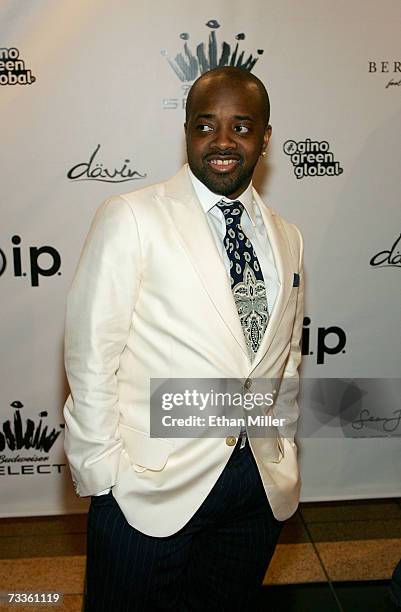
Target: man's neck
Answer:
[[208, 198]]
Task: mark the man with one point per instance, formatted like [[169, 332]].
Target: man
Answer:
[[191, 278]]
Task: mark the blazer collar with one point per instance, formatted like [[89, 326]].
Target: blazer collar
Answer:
[[282, 258]]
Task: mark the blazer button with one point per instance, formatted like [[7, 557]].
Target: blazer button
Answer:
[[231, 441], [248, 383]]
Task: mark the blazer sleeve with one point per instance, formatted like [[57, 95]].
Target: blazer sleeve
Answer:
[[288, 405], [100, 306]]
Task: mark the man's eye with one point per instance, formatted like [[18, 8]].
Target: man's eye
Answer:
[[242, 129], [204, 128]]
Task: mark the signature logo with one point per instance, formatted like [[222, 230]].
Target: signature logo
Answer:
[[26, 434], [388, 425], [388, 258], [351, 408], [189, 64], [96, 171]]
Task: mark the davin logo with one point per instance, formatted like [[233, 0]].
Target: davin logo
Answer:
[[389, 257], [91, 171]]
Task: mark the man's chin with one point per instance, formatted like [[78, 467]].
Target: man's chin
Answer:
[[222, 185]]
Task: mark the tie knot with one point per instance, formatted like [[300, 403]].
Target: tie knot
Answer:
[[232, 209]]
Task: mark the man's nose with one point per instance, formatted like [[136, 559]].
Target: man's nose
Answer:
[[224, 139]]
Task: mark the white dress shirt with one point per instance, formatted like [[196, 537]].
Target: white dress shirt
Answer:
[[253, 226]]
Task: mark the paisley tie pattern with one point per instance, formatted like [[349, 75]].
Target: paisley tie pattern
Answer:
[[247, 282]]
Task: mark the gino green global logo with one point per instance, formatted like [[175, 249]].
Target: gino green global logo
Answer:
[[12, 68], [312, 158]]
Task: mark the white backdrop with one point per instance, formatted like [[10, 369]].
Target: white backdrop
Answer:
[[89, 98]]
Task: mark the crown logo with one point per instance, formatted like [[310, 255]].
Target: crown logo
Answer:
[[188, 65], [19, 435]]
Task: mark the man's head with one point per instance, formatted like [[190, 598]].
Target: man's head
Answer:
[[227, 128]]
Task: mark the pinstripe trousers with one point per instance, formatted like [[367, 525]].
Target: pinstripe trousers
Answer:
[[217, 561]]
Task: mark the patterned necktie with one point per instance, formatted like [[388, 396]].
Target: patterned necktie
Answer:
[[247, 282]]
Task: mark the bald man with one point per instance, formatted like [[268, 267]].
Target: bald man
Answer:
[[194, 278]]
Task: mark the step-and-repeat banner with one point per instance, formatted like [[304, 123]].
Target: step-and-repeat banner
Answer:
[[92, 98]]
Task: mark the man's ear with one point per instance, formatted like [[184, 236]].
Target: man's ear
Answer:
[[266, 137]]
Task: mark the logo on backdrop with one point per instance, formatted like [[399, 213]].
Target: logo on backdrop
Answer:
[[12, 68], [42, 261], [18, 435], [312, 158], [328, 341], [93, 170], [387, 67], [190, 63], [389, 258]]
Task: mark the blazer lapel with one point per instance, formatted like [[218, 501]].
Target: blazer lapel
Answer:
[[191, 225], [282, 258]]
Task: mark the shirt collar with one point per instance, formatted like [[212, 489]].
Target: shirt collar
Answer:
[[208, 199]]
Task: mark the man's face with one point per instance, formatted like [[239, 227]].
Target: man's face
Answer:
[[225, 134]]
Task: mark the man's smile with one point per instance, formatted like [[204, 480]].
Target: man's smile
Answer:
[[222, 164]]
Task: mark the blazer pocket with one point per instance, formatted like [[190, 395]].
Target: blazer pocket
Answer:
[[276, 453], [144, 452], [269, 450]]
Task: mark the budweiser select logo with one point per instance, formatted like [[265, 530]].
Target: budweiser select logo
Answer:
[[199, 56], [18, 433], [27, 444]]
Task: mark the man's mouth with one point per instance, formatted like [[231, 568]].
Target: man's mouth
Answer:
[[223, 164]]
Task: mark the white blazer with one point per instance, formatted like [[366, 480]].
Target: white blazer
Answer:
[[151, 299]]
